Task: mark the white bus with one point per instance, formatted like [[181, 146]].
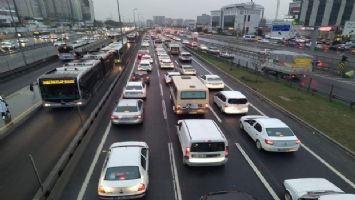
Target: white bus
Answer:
[[188, 95]]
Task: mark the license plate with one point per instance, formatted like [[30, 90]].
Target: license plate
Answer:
[[199, 156], [191, 106]]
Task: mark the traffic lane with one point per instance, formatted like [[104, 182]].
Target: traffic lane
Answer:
[[321, 146], [196, 181], [152, 131], [14, 84], [45, 135]]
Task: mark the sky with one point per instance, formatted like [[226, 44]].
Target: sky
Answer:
[[186, 9]]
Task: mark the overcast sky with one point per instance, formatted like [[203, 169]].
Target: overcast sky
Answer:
[[186, 9]]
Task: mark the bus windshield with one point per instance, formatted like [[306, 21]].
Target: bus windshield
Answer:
[[60, 92]]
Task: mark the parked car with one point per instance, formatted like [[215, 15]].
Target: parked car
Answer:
[[314, 188], [270, 134], [212, 81], [168, 75], [128, 111], [135, 89], [144, 65], [231, 102], [142, 76], [125, 172]]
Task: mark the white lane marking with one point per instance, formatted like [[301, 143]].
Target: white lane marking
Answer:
[[176, 62], [93, 163], [215, 114], [257, 172], [202, 66], [173, 167], [164, 109], [161, 89], [329, 166], [257, 109]]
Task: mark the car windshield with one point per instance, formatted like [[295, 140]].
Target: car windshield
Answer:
[[237, 101], [144, 64], [279, 132], [207, 147], [126, 109], [214, 79], [122, 173], [134, 87]]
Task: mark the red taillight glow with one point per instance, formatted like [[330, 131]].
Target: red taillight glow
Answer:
[[187, 152], [101, 189], [298, 141], [178, 106], [141, 187], [270, 142], [226, 152], [114, 117]]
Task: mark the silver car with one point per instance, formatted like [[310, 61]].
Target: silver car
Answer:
[[128, 111]]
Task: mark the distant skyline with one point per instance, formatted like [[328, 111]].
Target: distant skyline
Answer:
[[186, 9]]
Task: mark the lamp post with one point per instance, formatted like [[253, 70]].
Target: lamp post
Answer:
[[119, 19], [134, 17]]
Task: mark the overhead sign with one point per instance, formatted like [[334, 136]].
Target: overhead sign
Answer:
[[281, 27], [349, 28], [57, 82]]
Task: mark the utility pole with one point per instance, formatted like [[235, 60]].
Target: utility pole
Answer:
[[119, 19], [277, 9], [134, 17]]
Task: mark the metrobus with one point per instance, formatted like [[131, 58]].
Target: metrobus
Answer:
[[174, 49], [70, 85], [107, 59], [189, 95]]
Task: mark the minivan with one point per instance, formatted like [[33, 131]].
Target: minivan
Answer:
[[231, 102], [202, 142]]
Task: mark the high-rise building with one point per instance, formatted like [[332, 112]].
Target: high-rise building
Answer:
[[190, 23], [215, 19], [203, 20], [168, 22], [179, 22], [294, 9], [159, 20], [149, 23], [326, 12]]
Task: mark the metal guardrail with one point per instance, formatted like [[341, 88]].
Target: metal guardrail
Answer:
[[25, 48]]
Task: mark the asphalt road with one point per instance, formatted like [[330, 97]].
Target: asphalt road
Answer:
[[45, 135], [167, 172]]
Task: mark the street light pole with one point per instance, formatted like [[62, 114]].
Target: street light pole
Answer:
[[119, 18], [134, 17]]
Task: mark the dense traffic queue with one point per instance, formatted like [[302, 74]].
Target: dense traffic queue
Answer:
[[125, 172]]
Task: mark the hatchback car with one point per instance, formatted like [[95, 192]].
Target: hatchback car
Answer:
[[124, 174], [144, 65], [135, 89], [168, 75], [270, 134], [128, 111], [142, 76], [212, 81], [231, 102]]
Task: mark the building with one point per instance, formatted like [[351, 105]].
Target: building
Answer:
[[149, 23], [5, 17], [326, 12], [203, 20], [159, 20], [87, 9], [179, 22], [190, 23], [294, 9], [241, 18], [168, 22], [215, 20]]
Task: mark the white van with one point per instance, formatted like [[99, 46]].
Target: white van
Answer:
[[202, 142], [231, 102]]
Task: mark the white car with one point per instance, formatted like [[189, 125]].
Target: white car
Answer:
[[270, 134], [144, 65], [202, 47], [124, 174], [212, 81], [185, 42], [128, 111], [8, 45], [166, 64], [314, 188], [187, 70], [135, 90], [58, 43], [163, 57], [145, 44], [148, 58], [231, 102], [168, 75]]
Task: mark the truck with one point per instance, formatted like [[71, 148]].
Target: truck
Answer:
[[287, 64]]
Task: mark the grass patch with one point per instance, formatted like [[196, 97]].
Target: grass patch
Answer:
[[333, 118]]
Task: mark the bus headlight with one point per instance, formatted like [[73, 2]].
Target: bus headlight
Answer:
[[47, 105]]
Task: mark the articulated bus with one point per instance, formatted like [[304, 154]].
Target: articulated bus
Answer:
[[188, 95], [107, 59]]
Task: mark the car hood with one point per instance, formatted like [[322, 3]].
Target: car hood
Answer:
[[303, 186]]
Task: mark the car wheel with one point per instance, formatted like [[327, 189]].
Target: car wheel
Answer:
[[258, 145], [288, 196], [241, 126]]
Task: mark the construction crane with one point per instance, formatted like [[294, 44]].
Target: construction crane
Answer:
[[277, 9]]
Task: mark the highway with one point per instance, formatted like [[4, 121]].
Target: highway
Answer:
[[258, 173], [45, 136]]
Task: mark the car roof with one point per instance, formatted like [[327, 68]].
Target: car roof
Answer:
[[303, 185], [125, 154], [190, 66], [144, 62], [173, 73], [128, 102], [146, 55], [134, 83], [233, 94], [271, 123], [212, 76], [208, 126]]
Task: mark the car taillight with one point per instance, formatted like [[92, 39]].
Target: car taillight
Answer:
[[187, 152], [101, 189], [114, 117], [226, 152], [141, 187], [270, 142], [206, 105], [298, 141], [178, 107], [147, 77]]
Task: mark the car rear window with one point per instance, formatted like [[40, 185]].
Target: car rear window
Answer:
[[214, 79], [126, 109], [193, 95], [237, 101], [122, 173], [135, 87], [279, 132], [207, 147]]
